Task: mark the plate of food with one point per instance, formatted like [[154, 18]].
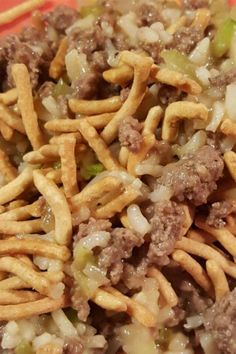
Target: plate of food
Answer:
[[117, 177]]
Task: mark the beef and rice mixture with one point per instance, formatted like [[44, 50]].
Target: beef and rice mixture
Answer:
[[134, 121]]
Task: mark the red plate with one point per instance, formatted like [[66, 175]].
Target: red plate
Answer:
[[16, 25]]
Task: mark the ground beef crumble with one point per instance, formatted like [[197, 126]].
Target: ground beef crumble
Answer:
[[120, 247], [220, 320], [224, 79], [185, 39], [88, 86], [195, 4], [194, 178], [45, 90], [129, 134], [93, 225], [73, 345], [166, 219], [133, 275], [147, 14], [87, 41], [61, 18], [22, 49], [218, 212]]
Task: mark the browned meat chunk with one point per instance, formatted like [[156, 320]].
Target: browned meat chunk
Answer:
[[186, 39], [177, 316], [87, 41], [62, 102], [220, 319], [99, 61], [22, 49], [129, 134], [218, 212], [133, 276], [73, 345], [166, 219], [163, 149], [61, 18], [224, 79], [194, 178], [147, 14], [119, 248], [169, 94], [195, 4], [191, 298], [80, 303], [92, 226], [88, 86], [153, 49]]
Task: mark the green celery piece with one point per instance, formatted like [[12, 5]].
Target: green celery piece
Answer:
[[91, 171], [164, 336], [71, 314], [61, 88], [222, 41], [94, 10], [179, 62], [83, 283], [82, 257], [24, 347], [57, 165]]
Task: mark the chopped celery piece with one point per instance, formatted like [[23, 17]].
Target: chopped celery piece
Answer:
[[91, 170], [164, 336], [222, 41], [82, 257], [84, 284], [24, 348], [57, 165], [95, 10], [61, 88], [71, 314], [179, 62]]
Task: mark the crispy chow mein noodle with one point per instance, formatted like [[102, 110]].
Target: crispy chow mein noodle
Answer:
[[117, 179]]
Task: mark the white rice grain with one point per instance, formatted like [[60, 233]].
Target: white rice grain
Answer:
[[41, 340], [164, 36], [76, 65], [217, 114], [63, 323], [193, 322], [160, 193], [147, 35], [95, 239], [138, 222], [230, 101], [128, 25], [51, 106], [97, 341], [178, 342], [203, 75], [200, 54], [11, 335], [82, 24]]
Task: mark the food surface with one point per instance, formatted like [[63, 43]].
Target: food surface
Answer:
[[118, 179]]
